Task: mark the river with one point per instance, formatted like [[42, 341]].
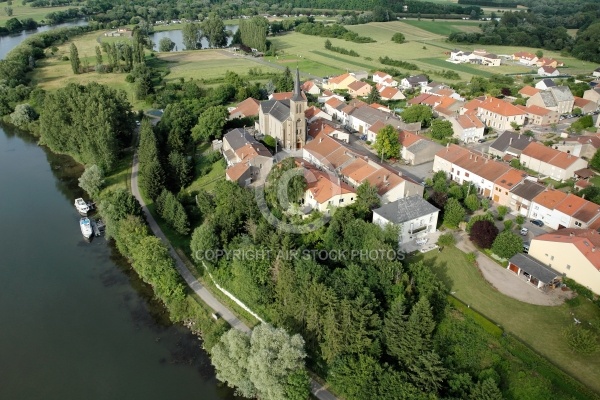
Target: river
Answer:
[[177, 37], [76, 322]]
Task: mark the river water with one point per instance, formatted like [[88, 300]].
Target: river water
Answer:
[[75, 321], [177, 37]]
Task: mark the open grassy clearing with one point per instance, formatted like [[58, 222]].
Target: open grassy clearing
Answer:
[[25, 11], [305, 65], [207, 64], [539, 326], [444, 27]]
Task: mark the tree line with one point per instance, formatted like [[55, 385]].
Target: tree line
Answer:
[[331, 31]]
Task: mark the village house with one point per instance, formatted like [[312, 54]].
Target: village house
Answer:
[[354, 169], [549, 62], [500, 114], [468, 128], [586, 106], [462, 165], [574, 253], [247, 108], [311, 87], [329, 128], [509, 143], [390, 93], [525, 58], [561, 210], [359, 89], [384, 79], [312, 113], [528, 91], [550, 162], [380, 107], [558, 98], [340, 82], [413, 215], [522, 195], [247, 159], [540, 116], [534, 272], [580, 146], [490, 60], [415, 81], [328, 94], [548, 71], [417, 149], [325, 191], [285, 119], [545, 84], [504, 184], [593, 95]]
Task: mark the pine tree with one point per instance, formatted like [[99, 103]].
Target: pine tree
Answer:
[[74, 57], [98, 56]]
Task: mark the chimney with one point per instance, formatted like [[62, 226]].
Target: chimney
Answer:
[[385, 178], [572, 234], [583, 196], [475, 158], [594, 249], [510, 142], [320, 139], [470, 156]]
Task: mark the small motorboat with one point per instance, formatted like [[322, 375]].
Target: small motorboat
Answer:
[[82, 207], [86, 228]]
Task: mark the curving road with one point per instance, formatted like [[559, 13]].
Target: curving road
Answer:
[[316, 388]]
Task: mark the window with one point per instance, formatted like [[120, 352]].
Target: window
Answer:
[[536, 207], [535, 214], [341, 200], [467, 174], [552, 257], [568, 266], [577, 223]]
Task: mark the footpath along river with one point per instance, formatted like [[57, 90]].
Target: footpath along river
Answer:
[[76, 322]]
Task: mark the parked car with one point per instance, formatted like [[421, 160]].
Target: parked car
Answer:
[[525, 248], [363, 137], [537, 222], [481, 140], [524, 231]]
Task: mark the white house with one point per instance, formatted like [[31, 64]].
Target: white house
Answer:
[[324, 192], [468, 128], [548, 71], [415, 81], [413, 215]]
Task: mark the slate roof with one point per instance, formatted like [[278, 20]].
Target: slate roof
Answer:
[[238, 138], [371, 116], [416, 79], [562, 93], [421, 145], [279, 110], [405, 209], [528, 189], [548, 99], [548, 82], [503, 142], [534, 268]]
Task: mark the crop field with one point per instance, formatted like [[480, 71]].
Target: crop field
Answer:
[[445, 27], [25, 11]]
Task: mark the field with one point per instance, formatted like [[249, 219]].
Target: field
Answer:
[[425, 46], [538, 326], [20, 12], [53, 73]]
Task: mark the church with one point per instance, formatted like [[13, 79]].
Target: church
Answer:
[[283, 117]]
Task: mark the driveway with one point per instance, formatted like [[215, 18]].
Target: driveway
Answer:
[[506, 282]]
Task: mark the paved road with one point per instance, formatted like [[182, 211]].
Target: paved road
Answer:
[[316, 388], [506, 282]]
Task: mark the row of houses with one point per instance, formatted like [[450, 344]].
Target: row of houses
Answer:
[[481, 57], [532, 60], [513, 188]]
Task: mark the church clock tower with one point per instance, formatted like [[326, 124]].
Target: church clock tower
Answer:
[[298, 104]]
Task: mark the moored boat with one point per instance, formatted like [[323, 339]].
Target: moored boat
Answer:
[[86, 228], [82, 207]]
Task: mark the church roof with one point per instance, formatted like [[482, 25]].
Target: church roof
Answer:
[[280, 110], [297, 96]]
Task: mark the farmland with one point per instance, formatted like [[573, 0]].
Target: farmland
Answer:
[[25, 11]]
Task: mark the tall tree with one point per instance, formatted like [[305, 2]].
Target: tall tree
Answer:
[[74, 57], [285, 82], [92, 180], [98, 56], [454, 213], [165, 45], [230, 358], [210, 124], [441, 129], [213, 29], [374, 96], [507, 244], [417, 113], [191, 36], [387, 143], [253, 32]]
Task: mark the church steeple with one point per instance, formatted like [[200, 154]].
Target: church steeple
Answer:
[[297, 95]]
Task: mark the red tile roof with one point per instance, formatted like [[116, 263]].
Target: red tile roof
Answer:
[[529, 91], [539, 152], [580, 102], [357, 85], [408, 138], [246, 108], [469, 120], [587, 241], [571, 204], [322, 187], [550, 198], [389, 92], [548, 69], [537, 110], [334, 102], [236, 171], [339, 78], [420, 98], [500, 107], [510, 179]]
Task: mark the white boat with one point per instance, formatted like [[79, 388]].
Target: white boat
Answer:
[[86, 227], [82, 206]]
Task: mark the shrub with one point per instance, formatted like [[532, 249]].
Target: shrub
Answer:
[[507, 244], [446, 239], [508, 224], [581, 340], [472, 202], [520, 220], [483, 233], [454, 213], [502, 211], [471, 258]]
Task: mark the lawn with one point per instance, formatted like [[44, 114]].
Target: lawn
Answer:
[[305, 65], [207, 64], [25, 11], [444, 27], [203, 180], [538, 326]]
